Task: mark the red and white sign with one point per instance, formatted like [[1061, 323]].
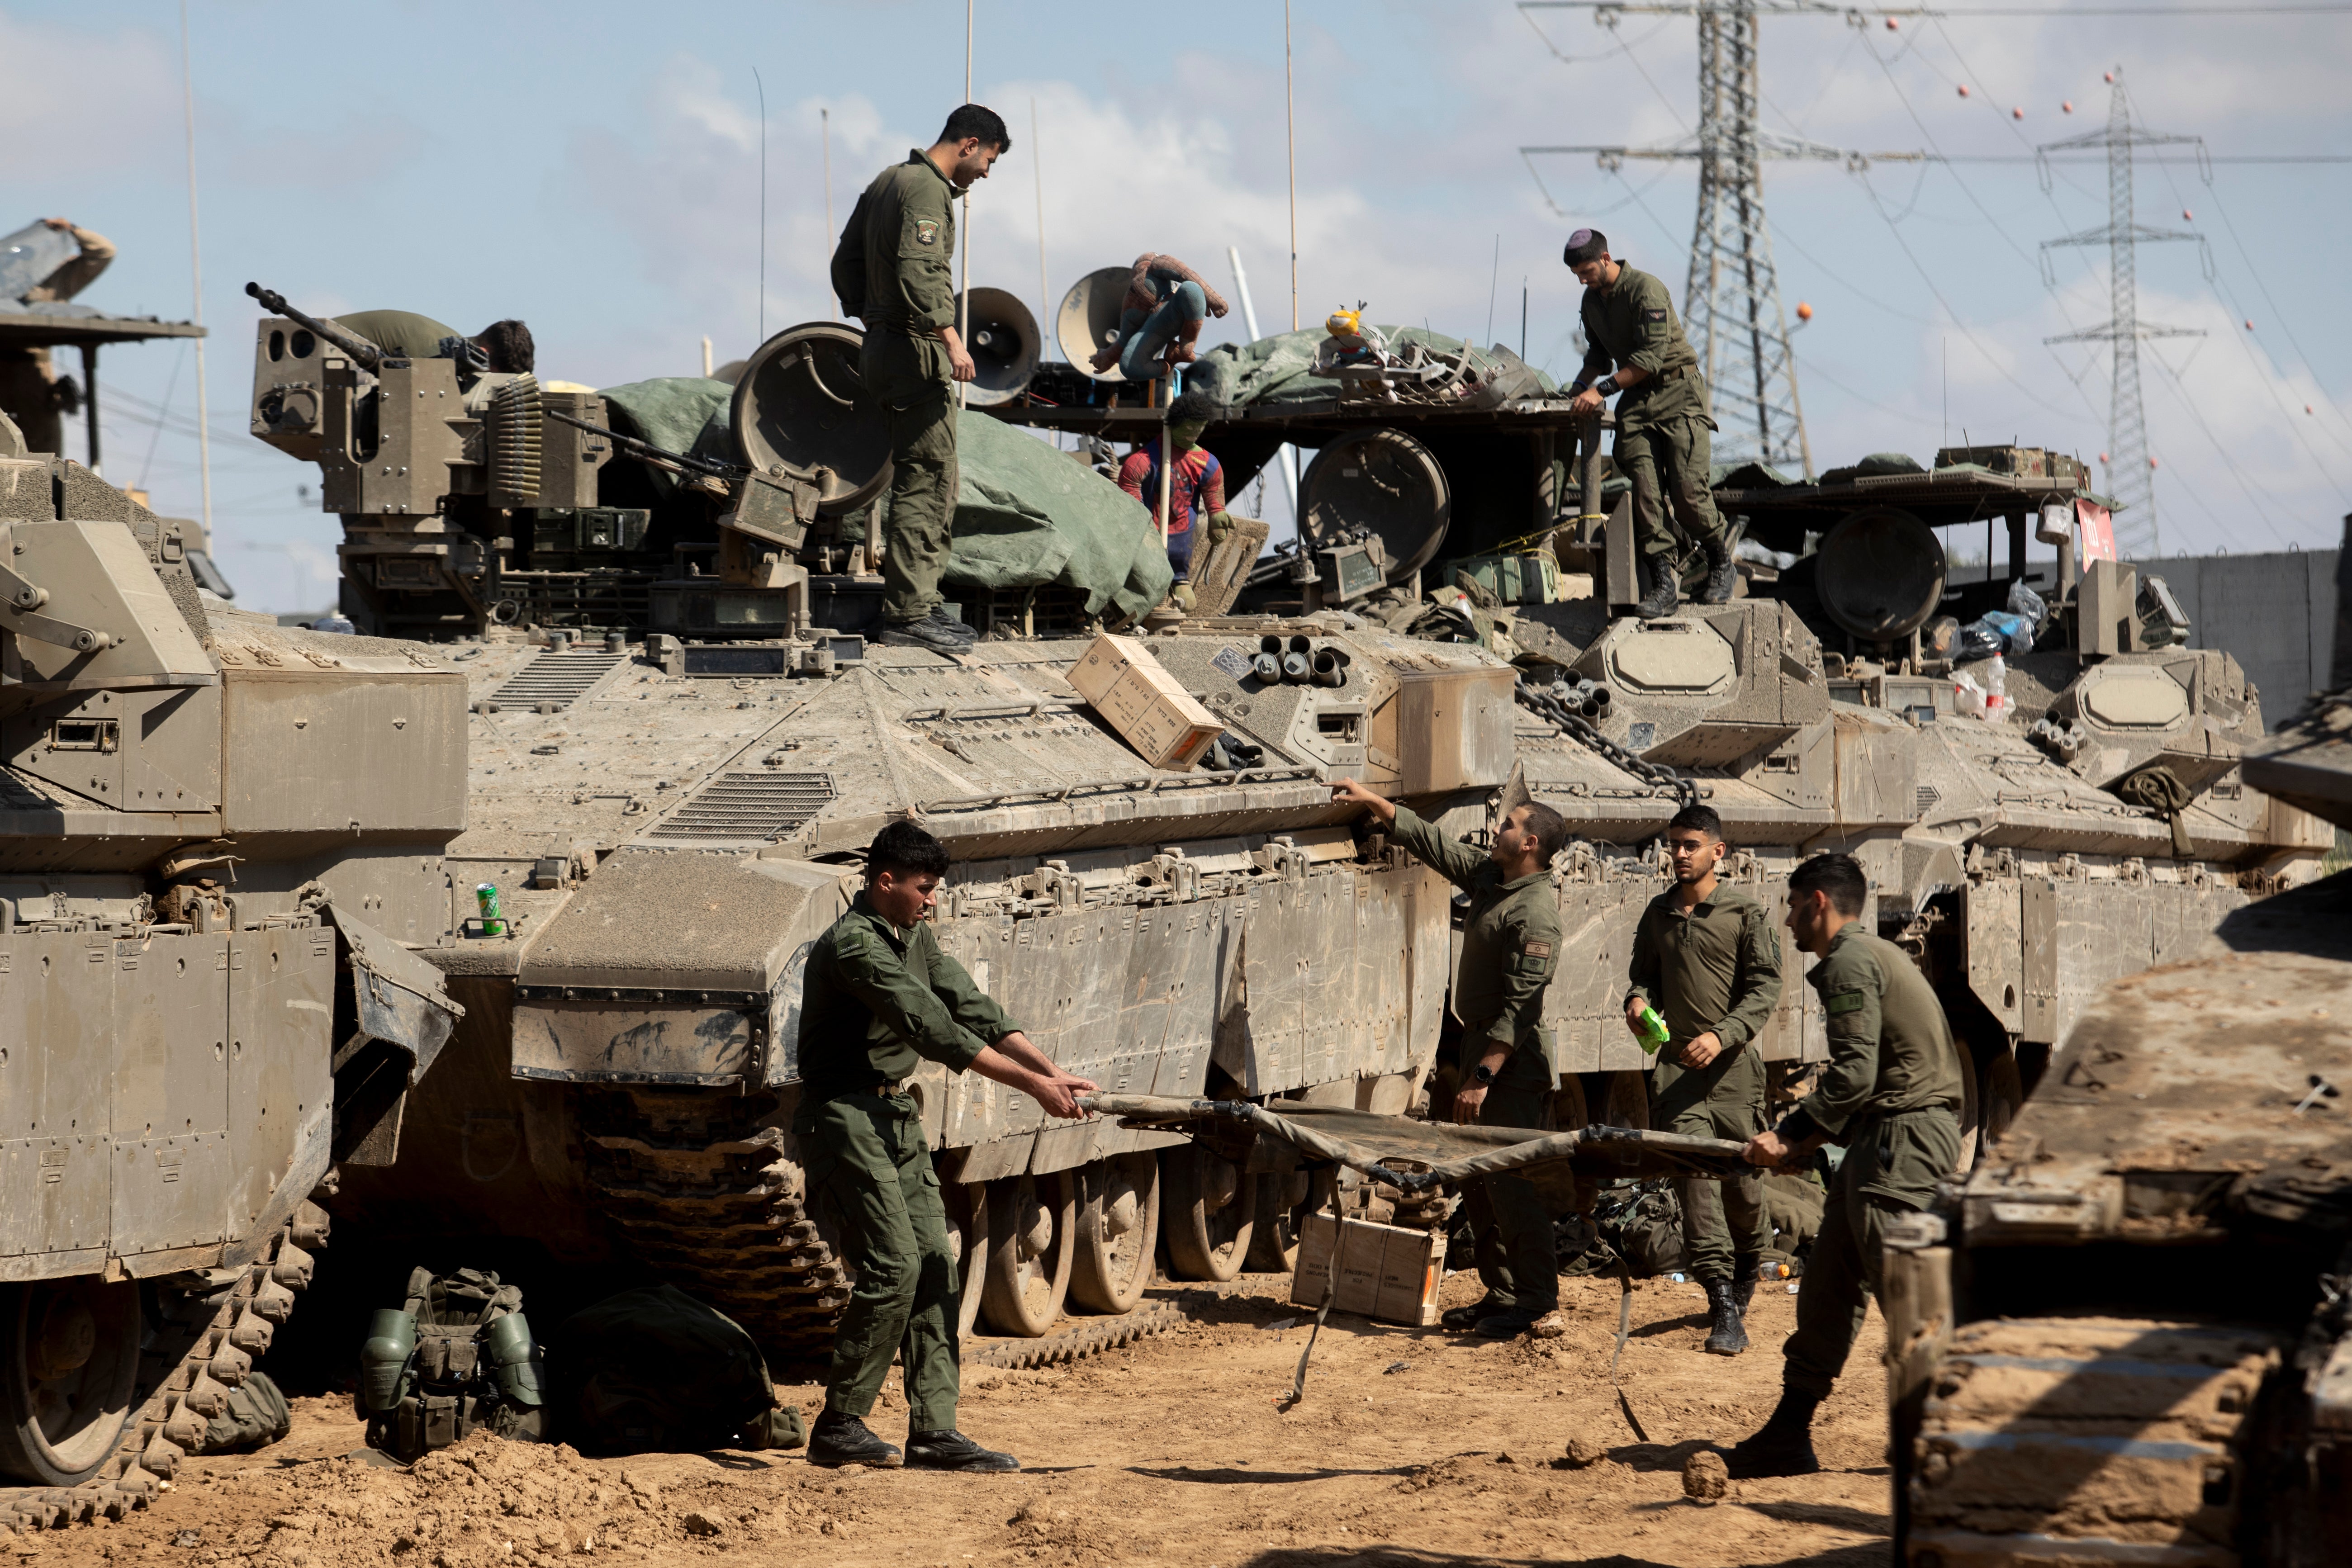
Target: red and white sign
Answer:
[[2098, 530]]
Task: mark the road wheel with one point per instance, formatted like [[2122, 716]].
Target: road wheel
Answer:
[[1282, 1204], [1118, 1231], [1031, 1237], [967, 1206], [71, 1354], [1629, 1101], [1569, 1110], [1209, 1214]]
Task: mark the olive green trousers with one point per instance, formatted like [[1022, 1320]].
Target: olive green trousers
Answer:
[[868, 1160], [1891, 1167], [1518, 1261], [1723, 1221], [910, 376], [1668, 463]]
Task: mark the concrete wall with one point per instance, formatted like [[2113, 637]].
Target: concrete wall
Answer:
[[2275, 613]]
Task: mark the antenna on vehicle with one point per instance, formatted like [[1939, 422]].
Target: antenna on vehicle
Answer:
[[196, 271], [763, 201]]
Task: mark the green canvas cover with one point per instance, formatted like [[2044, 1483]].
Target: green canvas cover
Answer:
[[1027, 516], [1275, 370], [655, 1371]]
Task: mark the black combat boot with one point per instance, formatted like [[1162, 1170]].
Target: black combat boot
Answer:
[[1727, 1335], [1743, 1282], [838, 1439], [1660, 593], [951, 1450], [1722, 576], [1783, 1446], [1462, 1319]]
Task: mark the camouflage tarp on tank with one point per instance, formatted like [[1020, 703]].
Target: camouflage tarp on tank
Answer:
[[1026, 516], [1279, 369]]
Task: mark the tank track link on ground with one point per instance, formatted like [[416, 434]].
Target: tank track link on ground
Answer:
[[1084, 1337], [2083, 1441], [727, 1220], [214, 1326]]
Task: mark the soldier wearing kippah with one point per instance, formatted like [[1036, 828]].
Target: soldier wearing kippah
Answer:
[[1638, 350]]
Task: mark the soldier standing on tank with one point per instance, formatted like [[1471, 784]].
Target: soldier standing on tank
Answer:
[[31, 390], [1510, 947], [1891, 1094], [1662, 427], [1706, 954], [890, 271], [878, 1000]]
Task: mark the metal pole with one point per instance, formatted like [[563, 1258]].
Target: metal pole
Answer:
[[1164, 474], [89, 399], [1289, 453], [197, 271], [763, 202], [825, 116], [1045, 290], [705, 356], [963, 259], [1290, 116]]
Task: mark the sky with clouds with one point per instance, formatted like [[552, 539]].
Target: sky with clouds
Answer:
[[595, 168]]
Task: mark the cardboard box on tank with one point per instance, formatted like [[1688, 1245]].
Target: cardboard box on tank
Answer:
[[1149, 707]]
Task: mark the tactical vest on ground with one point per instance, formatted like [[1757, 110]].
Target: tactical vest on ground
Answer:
[[460, 1356]]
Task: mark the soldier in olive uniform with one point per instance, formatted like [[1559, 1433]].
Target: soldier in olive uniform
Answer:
[[1510, 946], [1706, 954], [879, 999], [891, 272], [1662, 440], [505, 347], [1891, 1094]]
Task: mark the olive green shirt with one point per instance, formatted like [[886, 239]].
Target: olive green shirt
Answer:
[[402, 334], [1510, 937], [877, 1001], [1891, 1049], [1632, 322], [890, 269], [1715, 967]]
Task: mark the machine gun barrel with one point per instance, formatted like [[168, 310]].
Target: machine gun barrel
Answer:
[[368, 355]]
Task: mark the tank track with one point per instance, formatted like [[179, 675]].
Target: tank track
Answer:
[[1084, 1338], [212, 1326], [2087, 1441], [729, 1221]]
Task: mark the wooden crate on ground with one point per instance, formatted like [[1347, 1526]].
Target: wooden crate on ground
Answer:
[[1386, 1271]]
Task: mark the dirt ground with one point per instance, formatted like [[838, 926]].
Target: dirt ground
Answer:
[[1414, 1448]]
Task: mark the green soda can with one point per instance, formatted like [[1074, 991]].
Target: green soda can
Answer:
[[486, 895], [1654, 1032]]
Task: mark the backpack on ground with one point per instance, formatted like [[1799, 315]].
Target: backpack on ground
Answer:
[[457, 1356], [257, 1415]]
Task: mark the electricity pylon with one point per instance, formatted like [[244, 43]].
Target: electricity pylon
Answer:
[[2131, 481]]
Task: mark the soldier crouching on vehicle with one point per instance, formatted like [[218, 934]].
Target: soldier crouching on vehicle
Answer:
[[1891, 1094], [878, 1000]]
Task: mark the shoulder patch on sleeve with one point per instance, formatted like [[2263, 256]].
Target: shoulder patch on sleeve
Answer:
[[1842, 1002], [1537, 950], [1654, 315], [927, 231]]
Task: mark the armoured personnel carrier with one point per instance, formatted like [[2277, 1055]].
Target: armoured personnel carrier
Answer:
[[2125, 1339], [219, 841], [671, 806]]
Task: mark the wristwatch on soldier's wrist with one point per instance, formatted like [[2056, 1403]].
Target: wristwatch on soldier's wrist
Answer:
[[1482, 1075]]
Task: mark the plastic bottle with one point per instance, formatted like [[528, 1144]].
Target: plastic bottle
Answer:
[[1993, 675]]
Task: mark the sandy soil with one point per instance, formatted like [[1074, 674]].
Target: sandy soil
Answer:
[[1414, 1448]]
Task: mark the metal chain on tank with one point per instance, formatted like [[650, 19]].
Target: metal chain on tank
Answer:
[[1550, 709]]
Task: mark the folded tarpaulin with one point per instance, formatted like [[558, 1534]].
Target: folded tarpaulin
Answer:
[[1417, 1155], [1027, 515]]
